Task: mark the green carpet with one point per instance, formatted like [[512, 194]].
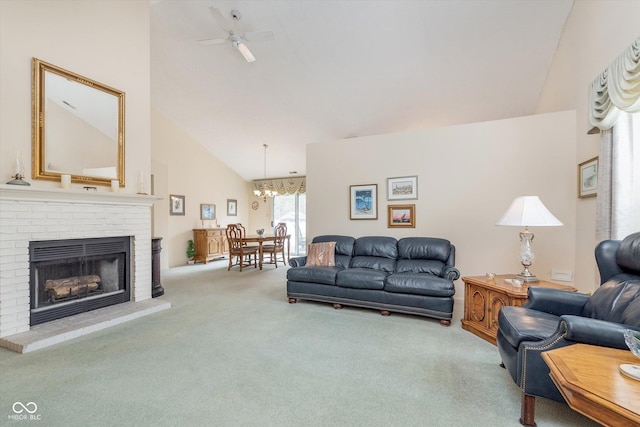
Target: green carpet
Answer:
[[232, 352]]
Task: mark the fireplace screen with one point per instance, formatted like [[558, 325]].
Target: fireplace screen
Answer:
[[73, 276]]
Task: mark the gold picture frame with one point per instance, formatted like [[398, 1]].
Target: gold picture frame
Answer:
[[588, 178], [401, 216]]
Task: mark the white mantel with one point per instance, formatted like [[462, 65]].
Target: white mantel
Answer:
[[30, 213], [49, 194]]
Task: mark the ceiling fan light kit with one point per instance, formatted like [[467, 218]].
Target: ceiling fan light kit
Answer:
[[237, 40], [244, 50]]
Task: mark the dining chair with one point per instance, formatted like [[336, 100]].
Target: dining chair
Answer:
[[243, 232], [242, 254], [277, 249]]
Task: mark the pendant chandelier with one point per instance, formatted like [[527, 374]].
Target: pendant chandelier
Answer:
[[263, 190]]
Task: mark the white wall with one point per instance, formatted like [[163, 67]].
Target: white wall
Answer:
[[182, 166], [467, 177], [107, 41], [594, 35]]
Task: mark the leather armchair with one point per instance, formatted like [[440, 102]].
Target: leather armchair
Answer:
[[552, 319]]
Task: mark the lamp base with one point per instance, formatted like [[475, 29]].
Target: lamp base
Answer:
[[527, 279]]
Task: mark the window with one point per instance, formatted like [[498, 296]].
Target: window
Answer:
[[291, 209]]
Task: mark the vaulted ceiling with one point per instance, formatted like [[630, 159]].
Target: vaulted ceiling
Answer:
[[343, 68]]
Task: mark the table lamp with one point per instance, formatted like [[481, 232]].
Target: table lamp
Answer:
[[528, 211]]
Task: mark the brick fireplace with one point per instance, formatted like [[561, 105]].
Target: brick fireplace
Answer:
[[31, 214]]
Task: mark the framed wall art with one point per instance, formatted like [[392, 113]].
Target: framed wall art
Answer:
[[401, 216], [364, 201], [588, 178], [176, 205], [207, 211], [402, 188], [232, 207]]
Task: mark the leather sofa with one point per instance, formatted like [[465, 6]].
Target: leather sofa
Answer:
[[412, 275], [552, 319]]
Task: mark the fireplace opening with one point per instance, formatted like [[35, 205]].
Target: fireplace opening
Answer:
[[77, 275]]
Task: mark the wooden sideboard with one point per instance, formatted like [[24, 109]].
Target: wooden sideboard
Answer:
[[210, 243], [483, 299]]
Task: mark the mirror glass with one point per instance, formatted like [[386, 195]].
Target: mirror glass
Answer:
[[78, 127]]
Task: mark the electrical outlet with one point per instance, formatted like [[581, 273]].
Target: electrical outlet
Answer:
[[561, 275]]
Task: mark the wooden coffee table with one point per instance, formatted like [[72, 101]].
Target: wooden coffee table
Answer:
[[589, 379]]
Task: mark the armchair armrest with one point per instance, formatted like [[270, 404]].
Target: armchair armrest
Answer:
[[298, 261], [533, 372], [556, 301], [450, 273], [594, 331]]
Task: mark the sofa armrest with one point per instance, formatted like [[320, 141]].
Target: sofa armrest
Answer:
[[298, 261], [586, 330], [555, 301], [450, 273]]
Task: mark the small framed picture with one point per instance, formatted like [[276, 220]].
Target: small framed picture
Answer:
[[364, 201], [588, 178], [232, 207], [402, 188], [402, 216], [207, 211], [176, 205]]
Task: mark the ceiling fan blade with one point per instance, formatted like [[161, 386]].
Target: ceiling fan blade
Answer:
[[207, 42], [258, 36], [221, 20]]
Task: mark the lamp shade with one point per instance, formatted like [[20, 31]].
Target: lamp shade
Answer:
[[528, 211]]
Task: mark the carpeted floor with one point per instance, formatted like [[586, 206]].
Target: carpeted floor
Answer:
[[232, 352]]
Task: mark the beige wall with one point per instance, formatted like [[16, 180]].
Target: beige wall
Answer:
[[182, 166], [594, 35], [107, 41], [467, 177]]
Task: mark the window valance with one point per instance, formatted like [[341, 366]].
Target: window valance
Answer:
[[616, 89], [283, 185]]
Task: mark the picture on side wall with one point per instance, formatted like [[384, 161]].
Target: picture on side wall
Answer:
[[402, 216], [176, 205], [232, 207], [402, 188], [588, 178], [364, 201], [207, 211]]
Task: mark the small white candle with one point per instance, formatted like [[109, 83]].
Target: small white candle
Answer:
[[65, 181], [115, 185]]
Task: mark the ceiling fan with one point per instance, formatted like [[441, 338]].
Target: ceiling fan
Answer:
[[237, 40]]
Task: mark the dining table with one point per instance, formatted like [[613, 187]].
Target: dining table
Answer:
[[260, 239]]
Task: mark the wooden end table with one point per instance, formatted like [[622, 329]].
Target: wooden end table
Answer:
[[483, 299], [590, 381]]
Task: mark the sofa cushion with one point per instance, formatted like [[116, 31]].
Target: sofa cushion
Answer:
[[419, 284], [321, 254], [361, 278], [344, 247], [377, 246], [430, 266], [424, 248], [375, 252], [612, 298], [323, 275], [519, 324]]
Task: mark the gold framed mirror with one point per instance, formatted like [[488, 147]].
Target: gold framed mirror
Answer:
[[78, 127]]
